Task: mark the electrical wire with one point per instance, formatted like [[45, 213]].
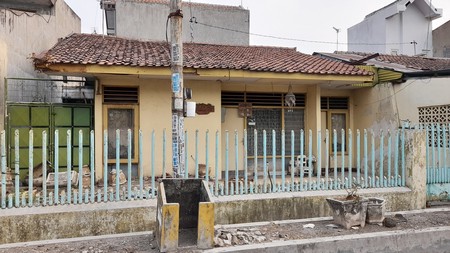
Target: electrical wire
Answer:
[[294, 39], [167, 24], [392, 95], [190, 21], [30, 15]]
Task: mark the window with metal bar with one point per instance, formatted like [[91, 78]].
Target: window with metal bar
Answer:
[[121, 113], [269, 112]]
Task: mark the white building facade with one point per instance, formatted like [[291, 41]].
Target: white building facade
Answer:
[[402, 27], [27, 32], [202, 23]]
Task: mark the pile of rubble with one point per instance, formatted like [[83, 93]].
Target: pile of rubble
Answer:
[[240, 236]]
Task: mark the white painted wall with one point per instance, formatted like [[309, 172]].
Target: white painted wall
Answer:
[[371, 29], [420, 93], [23, 35], [385, 105], [147, 21], [416, 28], [396, 27]]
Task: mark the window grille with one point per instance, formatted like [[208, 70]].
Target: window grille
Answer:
[[120, 95], [434, 114], [260, 99], [436, 117], [327, 103]]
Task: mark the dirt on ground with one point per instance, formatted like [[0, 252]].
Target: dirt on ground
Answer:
[[252, 234]]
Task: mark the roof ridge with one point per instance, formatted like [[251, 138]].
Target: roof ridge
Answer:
[[184, 43], [95, 49]]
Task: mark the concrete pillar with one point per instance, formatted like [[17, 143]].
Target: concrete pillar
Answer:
[[415, 166], [313, 117], [98, 129], [2, 102], [3, 66]]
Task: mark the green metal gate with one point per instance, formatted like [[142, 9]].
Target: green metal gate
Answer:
[[48, 117]]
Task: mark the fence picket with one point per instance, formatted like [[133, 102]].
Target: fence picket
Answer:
[[274, 163], [245, 163], [216, 165], [206, 156], [226, 162], [92, 165], [377, 165], [153, 164], [117, 194], [236, 161], [129, 165], [3, 166], [283, 154], [69, 166], [80, 167]]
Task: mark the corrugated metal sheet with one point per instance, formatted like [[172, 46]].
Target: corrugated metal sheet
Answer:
[[381, 75], [388, 75]]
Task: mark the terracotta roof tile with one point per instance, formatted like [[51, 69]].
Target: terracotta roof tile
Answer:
[[411, 62], [86, 49]]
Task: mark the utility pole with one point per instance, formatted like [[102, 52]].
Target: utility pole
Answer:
[[176, 60]]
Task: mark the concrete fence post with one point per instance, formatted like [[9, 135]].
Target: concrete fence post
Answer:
[[415, 166]]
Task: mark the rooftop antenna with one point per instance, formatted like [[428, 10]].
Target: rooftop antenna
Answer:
[[103, 16], [337, 37]]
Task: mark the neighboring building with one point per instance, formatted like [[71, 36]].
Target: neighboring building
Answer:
[[402, 27], [133, 90], [441, 41], [28, 28], [411, 89], [202, 23]]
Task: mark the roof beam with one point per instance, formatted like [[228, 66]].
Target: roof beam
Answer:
[[218, 74]]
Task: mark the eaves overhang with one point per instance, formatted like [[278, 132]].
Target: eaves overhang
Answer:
[[435, 73], [199, 74]]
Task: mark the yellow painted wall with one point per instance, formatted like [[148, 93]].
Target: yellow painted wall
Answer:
[[233, 123], [375, 108], [207, 92], [155, 114]]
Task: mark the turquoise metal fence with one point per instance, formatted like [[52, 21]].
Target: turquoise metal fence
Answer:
[[314, 161], [438, 161]]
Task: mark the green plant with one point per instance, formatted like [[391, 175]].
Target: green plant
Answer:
[[352, 193]]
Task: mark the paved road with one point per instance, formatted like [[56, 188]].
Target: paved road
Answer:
[[428, 220]]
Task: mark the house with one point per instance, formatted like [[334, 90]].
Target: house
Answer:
[[402, 27], [203, 23], [27, 28], [410, 89], [133, 91], [441, 41]]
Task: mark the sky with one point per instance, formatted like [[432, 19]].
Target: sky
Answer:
[[311, 20]]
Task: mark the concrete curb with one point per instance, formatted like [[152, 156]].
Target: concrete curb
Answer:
[[329, 218], [431, 240], [77, 239]]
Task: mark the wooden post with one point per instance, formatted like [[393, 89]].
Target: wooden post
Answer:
[[176, 53]]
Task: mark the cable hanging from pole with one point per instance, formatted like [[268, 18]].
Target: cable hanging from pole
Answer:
[[299, 40]]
